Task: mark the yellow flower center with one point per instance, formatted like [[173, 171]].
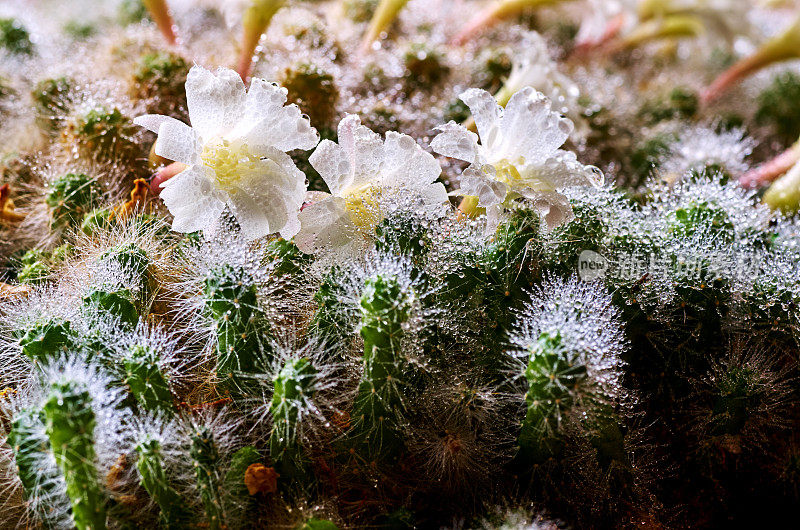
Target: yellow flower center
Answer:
[[229, 163], [507, 172], [363, 207]]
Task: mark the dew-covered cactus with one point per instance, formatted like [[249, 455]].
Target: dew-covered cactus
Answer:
[[240, 485], [449, 318], [552, 375], [52, 102], [230, 297], [158, 79], [14, 38], [293, 388], [206, 461], [314, 91], [174, 512], [70, 423], [38, 265], [778, 107], [101, 134], [146, 380], [135, 269], [386, 308], [331, 324], [425, 65], [42, 484], [70, 197], [100, 304], [48, 340]]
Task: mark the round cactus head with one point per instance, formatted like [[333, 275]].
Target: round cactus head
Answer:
[[70, 197], [314, 91], [230, 291], [102, 134], [14, 38], [48, 340], [51, 98], [702, 216]]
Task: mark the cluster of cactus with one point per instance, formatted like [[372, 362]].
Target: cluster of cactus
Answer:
[[456, 370]]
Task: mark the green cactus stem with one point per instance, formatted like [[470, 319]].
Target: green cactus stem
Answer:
[[153, 478], [293, 385], [146, 382], [40, 485], [206, 460], [46, 341], [553, 375], [232, 303], [70, 197], [385, 308], [70, 423]]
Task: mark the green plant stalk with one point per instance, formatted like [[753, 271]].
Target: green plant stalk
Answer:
[[385, 308], [206, 459], [146, 382], [494, 13], [159, 11], [780, 48], [70, 424], [784, 193], [153, 478], [385, 14], [31, 447], [255, 21], [671, 27]]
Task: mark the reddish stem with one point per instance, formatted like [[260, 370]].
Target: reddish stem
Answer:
[[160, 14], [611, 31], [769, 171]]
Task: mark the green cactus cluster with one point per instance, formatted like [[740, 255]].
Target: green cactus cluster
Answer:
[[98, 133], [158, 79], [386, 307], [314, 91], [510, 342], [70, 196], [37, 265], [242, 331], [51, 98], [14, 38]]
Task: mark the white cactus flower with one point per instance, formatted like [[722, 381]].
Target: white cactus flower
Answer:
[[235, 151], [518, 156], [368, 178]]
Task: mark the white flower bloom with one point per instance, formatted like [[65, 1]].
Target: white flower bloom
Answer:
[[534, 67], [236, 153], [519, 154], [368, 178]]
